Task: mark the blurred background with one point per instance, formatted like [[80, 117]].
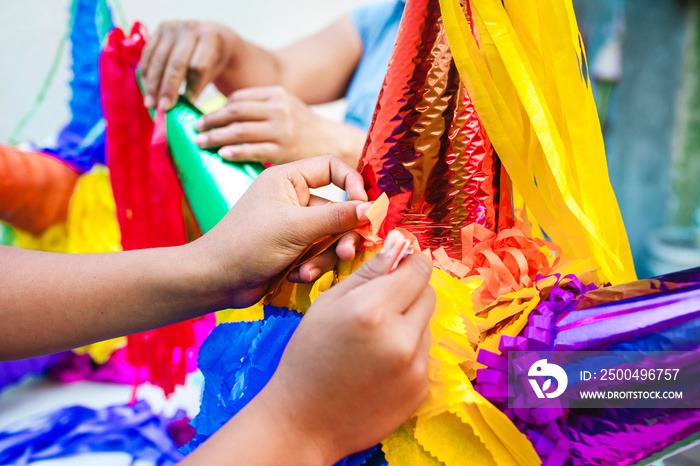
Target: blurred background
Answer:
[[643, 56], [644, 59]]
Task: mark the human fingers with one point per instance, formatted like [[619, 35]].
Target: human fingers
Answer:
[[417, 316], [318, 265], [348, 244], [314, 268], [176, 68], [312, 222], [259, 151], [257, 93], [205, 59], [247, 110], [237, 133], [376, 267], [156, 67], [148, 50], [345, 250], [362, 208], [316, 172], [317, 200], [389, 293]]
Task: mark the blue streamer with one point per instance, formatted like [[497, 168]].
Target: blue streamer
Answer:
[[82, 142], [237, 360], [235, 371], [12, 372], [135, 430], [371, 457]]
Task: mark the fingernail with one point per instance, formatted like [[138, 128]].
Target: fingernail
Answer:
[[228, 152], [351, 251], [164, 103], [199, 125], [391, 243], [149, 101], [201, 140], [313, 274], [361, 210]]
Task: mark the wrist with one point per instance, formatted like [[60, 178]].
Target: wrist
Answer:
[[309, 448], [231, 43], [209, 279], [259, 435], [231, 46]]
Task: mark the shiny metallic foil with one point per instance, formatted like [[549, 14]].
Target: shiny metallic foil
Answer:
[[426, 146]]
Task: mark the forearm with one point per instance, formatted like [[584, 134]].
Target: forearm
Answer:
[[52, 302], [317, 69], [259, 435], [248, 65], [322, 403]]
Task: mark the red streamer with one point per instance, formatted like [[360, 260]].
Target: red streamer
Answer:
[[147, 194]]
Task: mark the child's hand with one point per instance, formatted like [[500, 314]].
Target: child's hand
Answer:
[[356, 368], [271, 124], [275, 220], [195, 52]]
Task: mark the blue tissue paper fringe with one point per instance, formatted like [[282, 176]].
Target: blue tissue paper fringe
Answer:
[[12, 372], [135, 430], [82, 142], [237, 360]]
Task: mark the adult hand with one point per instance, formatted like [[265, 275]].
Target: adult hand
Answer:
[[275, 220], [270, 124], [356, 368], [192, 51]]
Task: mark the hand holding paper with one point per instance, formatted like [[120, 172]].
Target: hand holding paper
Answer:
[[276, 219], [353, 371], [192, 51]]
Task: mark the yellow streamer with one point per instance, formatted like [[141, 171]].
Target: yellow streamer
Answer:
[[401, 448], [529, 82], [454, 422], [92, 223], [249, 314], [53, 239]]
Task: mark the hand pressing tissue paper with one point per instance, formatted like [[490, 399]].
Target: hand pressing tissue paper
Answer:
[[363, 348]]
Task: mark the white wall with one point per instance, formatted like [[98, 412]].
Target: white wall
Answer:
[[30, 31]]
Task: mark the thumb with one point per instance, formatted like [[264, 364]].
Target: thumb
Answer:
[[377, 266], [330, 219]]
